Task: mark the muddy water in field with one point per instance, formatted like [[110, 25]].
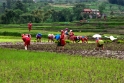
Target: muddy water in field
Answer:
[[112, 50]]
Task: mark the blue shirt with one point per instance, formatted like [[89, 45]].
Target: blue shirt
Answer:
[[57, 37], [39, 35]]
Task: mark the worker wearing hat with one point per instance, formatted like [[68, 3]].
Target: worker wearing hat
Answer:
[[99, 43]]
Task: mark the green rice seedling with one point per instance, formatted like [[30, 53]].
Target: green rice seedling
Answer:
[[31, 66]]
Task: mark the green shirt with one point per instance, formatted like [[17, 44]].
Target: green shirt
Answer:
[[101, 42]]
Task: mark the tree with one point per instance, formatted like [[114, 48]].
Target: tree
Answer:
[[8, 16], [4, 5], [20, 5], [54, 15], [102, 7], [66, 14], [77, 9], [27, 1], [38, 14], [8, 4], [119, 2]]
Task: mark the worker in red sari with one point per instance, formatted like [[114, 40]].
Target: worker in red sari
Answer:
[[26, 39], [29, 26], [61, 42], [76, 39], [84, 39]]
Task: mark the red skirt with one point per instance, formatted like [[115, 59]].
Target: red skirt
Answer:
[[62, 42], [27, 41], [29, 28]]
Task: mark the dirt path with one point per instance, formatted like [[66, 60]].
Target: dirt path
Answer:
[[76, 49]]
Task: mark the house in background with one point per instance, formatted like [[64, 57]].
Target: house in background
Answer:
[[87, 11], [92, 12], [95, 11]]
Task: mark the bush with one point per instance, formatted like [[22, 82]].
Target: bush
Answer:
[[107, 41], [120, 41], [5, 33], [68, 41]]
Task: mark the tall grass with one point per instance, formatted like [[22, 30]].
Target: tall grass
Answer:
[[19, 66]]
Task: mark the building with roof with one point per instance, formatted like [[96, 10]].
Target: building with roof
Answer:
[[87, 11], [91, 11]]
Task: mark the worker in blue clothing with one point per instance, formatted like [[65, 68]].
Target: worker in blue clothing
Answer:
[[57, 37], [38, 37]]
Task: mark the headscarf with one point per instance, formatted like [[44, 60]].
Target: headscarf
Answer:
[[70, 30], [62, 31], [22, 35], [66, 29]]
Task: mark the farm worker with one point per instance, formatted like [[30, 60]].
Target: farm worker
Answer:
[[99, 44], [51, 37], [57, 37], [66, 31], [29, 26], [76, 38], [71, 34], [84, 39], [61, 42], [26, 39], [38, 37]]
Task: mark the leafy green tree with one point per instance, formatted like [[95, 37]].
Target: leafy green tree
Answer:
[[8, 16], [38, 14], [4, 19], [26, 17], [77, 9], [102, 7], [20, 5], [66, 13], [119, 2], [54, 16], [62, 15], [16, 17]]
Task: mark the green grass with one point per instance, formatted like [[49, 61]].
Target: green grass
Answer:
[[17, 31], [19, 66], [15, 39], [81, 29], [10, 40]]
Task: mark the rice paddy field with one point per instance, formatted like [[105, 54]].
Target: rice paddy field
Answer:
[[78, 63], [19, 66]]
